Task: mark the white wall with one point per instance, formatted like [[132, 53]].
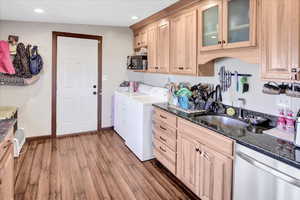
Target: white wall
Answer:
[[34, 101], [256, 100]]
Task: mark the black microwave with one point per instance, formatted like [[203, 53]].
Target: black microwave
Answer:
[[137, 62]]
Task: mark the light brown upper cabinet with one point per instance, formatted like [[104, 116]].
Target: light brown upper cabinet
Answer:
[[136, 40], [183, 58], [140, 38], [152, 48], [227, 24], [280, 39], [163, 46], [158, 47]]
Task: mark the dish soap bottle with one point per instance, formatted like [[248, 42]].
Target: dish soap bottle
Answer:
[[290, 122], [281, 120]]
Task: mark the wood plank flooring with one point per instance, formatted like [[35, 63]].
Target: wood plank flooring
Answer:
[[90, 167]]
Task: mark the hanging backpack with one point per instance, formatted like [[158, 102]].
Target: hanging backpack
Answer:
[[21, 62], [36, 62]]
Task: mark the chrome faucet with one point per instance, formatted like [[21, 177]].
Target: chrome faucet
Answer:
[[241, 104]]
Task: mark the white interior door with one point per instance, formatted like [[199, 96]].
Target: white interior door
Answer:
[[77, 74]]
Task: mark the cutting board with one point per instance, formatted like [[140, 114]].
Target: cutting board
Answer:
[[275, 132]]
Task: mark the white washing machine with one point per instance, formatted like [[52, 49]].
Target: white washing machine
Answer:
[[133, 121], [121, 110]]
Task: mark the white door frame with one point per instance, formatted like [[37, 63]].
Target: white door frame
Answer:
[[55, 35]]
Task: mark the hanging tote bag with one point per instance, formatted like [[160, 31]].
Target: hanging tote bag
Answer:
[[6, 65], [36, 61]]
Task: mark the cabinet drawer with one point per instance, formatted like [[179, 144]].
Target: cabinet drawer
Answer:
[[165, 151], [6, 143], [165, 138], [207, 137], [165, 134], [5, 147], [167, 163], [169, 119], [7, 174]]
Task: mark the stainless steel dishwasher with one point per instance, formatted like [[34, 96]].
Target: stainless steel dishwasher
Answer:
[[260, 177]]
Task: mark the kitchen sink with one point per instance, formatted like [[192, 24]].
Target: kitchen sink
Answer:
[[223, 121]]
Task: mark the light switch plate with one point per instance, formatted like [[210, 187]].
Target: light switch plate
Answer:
[[104, 78]]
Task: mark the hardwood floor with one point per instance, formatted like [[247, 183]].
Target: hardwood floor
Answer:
[[93, 166]]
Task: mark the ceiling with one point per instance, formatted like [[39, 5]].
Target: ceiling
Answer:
[[94, 12]]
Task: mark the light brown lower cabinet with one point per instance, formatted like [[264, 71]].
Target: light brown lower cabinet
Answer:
[[7, 173], [188, 162], [204, 171], [215, 175], [201, 159]]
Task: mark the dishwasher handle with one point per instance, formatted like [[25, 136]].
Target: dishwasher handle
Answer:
[[287, 178]]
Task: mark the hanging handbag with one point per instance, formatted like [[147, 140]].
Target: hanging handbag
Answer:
[[36, 62], [21, 62]]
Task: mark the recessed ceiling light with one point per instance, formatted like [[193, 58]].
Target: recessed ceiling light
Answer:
[[134, 17], [39, 10]]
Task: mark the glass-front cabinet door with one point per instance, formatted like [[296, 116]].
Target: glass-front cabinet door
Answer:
[[239, 23], [210, 19], [227, 24]]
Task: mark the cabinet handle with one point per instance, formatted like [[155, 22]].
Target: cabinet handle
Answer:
[[161, 116], [7, 144], [180, 68], [163, 139], [162, 149], [206, 156], [223, 41], [198, 150], [162, 128], [219, 42], [156, 67]]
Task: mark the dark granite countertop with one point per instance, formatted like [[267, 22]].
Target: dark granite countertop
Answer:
[[263, 143], [5, 126]]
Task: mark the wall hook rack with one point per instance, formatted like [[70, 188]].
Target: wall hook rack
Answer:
[[232, 74]]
